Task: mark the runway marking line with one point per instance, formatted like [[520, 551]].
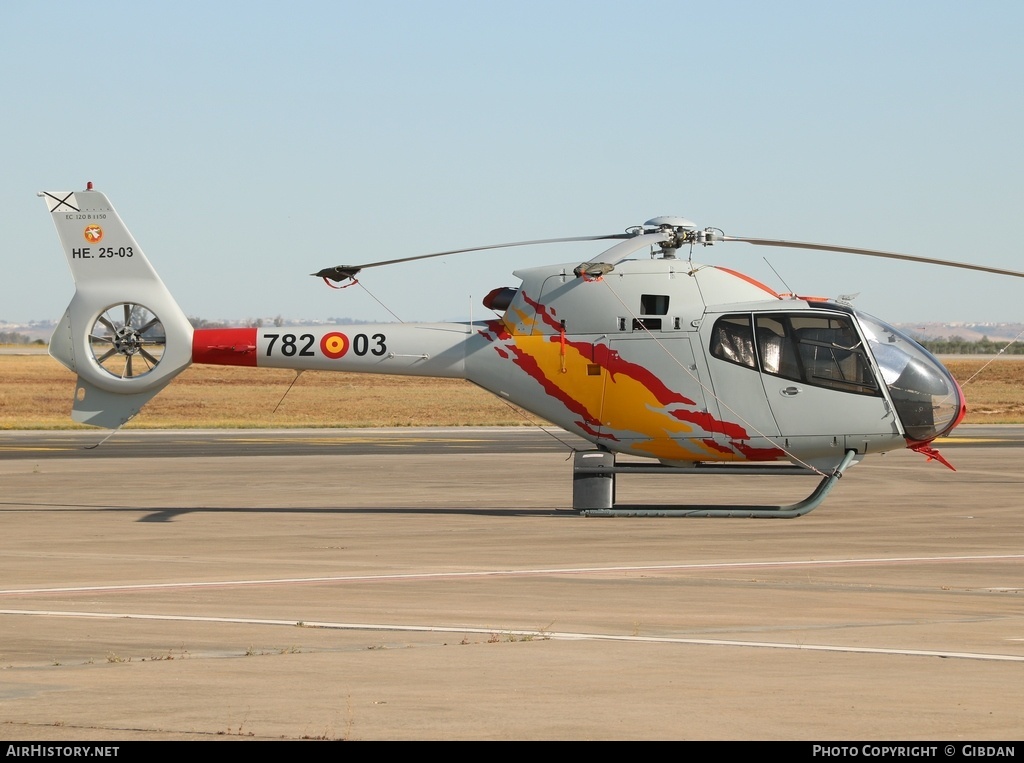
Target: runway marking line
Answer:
[[550, 635], [347, 440], [970, 440], [510, 573], [35, 448]]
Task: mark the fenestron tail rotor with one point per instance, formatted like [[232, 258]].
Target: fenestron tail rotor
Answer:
[[127, 340]]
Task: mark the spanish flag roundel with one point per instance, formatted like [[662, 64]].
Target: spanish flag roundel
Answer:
[[334, 345]]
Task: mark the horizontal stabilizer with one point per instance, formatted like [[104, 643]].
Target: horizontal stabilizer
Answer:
[[99, 408]]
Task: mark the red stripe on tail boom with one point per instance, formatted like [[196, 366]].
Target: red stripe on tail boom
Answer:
[[224, 347]]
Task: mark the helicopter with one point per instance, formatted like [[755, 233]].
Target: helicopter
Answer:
[[695, 369]]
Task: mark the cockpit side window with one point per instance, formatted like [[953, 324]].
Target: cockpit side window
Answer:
[[821, 350], [775, 344]]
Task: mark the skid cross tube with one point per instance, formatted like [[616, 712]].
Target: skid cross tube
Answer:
[[594, 489]]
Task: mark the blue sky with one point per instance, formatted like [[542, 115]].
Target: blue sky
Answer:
[[248, 144]]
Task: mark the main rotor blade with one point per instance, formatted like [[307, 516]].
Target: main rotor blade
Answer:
[[871, 253], [341, 272]]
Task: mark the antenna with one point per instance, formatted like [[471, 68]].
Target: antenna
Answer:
[[788, 287]]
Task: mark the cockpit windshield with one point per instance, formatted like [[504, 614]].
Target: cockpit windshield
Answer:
[[927, 399]]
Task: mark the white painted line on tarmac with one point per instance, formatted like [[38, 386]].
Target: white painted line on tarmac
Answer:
[[530, 634], [512, 573]]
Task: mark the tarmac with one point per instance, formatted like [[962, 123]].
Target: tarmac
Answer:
[[434, 584]]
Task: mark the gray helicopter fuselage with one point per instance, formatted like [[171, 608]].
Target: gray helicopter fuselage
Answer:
[[690, 363], [660, 358]]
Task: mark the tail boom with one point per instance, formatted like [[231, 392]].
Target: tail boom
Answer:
[[406, 349]]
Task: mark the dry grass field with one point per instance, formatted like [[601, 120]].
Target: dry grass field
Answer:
[[996, 394], [35, 393]]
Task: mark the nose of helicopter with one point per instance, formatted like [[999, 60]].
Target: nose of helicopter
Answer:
[[930, 403], [927, 398]]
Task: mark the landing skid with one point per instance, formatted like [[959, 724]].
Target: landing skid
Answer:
[[593, 488]]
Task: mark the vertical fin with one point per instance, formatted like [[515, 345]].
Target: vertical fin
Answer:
[[123, 333]]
